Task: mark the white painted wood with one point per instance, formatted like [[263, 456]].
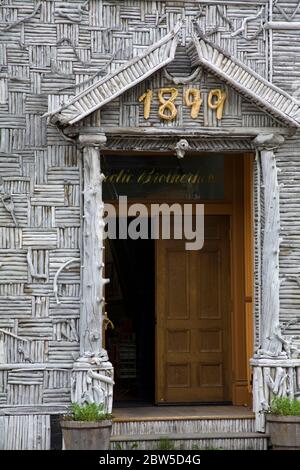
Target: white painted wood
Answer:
[[92, 296], [271, 378], [270, 268], [127, 76], [259, 90], [275, 362], [282, 25], [197, 132], [47, 56], [270, 343], [233, 71], [187, 441], [25, 432], [92, 384], [62, 267]]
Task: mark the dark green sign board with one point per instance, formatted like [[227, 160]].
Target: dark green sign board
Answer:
[[164, 177]]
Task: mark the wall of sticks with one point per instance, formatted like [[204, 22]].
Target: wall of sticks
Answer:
[[50, 50]]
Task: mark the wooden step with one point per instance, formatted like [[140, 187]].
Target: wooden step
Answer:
[[170, 425], [192, 441]]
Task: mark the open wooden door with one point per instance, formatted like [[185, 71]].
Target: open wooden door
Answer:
[[193, 318]]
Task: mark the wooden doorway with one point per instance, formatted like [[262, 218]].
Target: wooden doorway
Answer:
[[193, 318], [229, 380]]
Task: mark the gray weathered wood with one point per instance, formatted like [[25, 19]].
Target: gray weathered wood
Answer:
[[271, 243], [92, 300], [49, 53]]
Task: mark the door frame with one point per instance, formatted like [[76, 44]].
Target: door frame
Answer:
[[241, 212], [242, 237]]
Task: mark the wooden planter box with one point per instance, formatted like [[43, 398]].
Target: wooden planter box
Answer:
[[85, 435], [284, 431]]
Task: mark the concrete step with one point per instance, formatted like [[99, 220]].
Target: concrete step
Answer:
[[191, 441]]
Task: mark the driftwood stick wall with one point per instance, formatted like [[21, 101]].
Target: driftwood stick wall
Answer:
[[50, 316]]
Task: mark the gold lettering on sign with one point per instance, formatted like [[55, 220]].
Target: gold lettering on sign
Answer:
[[147, 99], [195, 102], [167, 104], [219, 103]]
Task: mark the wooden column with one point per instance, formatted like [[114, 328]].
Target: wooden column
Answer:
[[92, 295], [274, 364], [270, 344], [92, 375]]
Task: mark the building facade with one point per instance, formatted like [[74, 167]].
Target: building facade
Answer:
[[173, 101]]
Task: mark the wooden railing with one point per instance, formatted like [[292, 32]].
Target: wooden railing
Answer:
[[273, 378]]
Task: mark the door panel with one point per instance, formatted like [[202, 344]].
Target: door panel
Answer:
[[177, 282], [193, 313]]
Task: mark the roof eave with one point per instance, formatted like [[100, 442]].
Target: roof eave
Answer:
[[252, 78], [125, 77]]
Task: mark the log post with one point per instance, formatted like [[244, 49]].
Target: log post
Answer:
[[92, 376], [269, 341], [92, 295], [270, 344]]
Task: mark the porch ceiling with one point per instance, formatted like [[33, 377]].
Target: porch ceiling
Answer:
[[232, 71]]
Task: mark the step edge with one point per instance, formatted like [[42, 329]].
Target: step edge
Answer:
[[190, 436], [181, 418]]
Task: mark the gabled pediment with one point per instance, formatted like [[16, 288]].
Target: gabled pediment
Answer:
[[248, 83], [113, 85], [256, 89], [128, 111]]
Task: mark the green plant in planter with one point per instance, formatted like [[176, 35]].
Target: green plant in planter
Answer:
[[285, 406], [87, 427], [88, 412], [284, 423]]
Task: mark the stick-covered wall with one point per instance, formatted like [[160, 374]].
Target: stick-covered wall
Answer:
[[49, 50]]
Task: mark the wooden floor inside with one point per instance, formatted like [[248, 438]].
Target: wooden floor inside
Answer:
[[142, 413]]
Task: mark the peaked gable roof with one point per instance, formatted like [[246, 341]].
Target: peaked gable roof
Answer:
[[111, 86], [248, 83]]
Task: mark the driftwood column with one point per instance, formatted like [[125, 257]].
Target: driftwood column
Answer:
[[92, 373], [92, 295], [276, 363], [270, 343]]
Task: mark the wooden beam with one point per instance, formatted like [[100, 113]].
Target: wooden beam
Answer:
[[232, 132], [283, 25], [275, 362]]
